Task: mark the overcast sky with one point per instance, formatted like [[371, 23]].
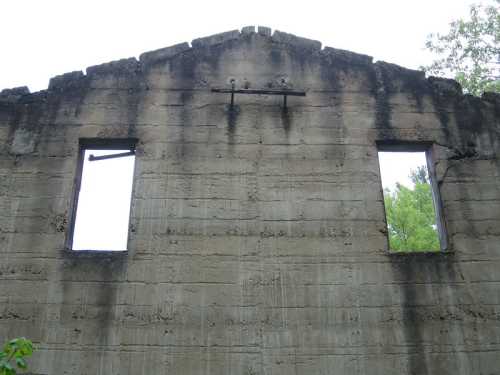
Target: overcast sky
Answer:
[[395, 167], [44, 38]]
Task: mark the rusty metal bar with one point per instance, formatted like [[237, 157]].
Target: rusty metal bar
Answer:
[[233, 91], [261, 92], [112, 156]]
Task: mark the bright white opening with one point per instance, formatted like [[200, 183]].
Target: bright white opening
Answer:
[[103, 210], [395, 167]]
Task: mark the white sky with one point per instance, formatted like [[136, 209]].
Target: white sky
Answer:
[[103, 210], [396, 167], [41, 39]]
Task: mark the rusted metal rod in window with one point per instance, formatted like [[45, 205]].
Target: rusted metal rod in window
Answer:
[[285, 93], [111, 156]]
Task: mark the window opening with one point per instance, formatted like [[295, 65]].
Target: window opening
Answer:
[[103, 197], [410, 197]]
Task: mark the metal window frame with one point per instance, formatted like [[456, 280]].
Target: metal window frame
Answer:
[[427, 148], [95, 144]]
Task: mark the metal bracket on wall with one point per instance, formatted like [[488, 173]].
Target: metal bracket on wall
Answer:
[[284, 92]]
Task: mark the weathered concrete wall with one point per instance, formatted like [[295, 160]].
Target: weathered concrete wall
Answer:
[[257, 238]]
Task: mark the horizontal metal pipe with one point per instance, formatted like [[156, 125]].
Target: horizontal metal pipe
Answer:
[[261, 92], [112, 156]]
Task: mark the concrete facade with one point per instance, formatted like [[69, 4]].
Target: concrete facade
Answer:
[[258, 242]]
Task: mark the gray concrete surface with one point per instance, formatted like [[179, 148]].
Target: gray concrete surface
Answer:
[[257, 238]]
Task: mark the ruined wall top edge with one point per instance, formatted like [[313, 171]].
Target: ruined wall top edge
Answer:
[[332, 56]]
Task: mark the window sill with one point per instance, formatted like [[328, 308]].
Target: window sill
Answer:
[[426, 254], [112, 254]]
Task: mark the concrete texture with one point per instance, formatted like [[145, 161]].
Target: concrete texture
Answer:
[[257, 236]]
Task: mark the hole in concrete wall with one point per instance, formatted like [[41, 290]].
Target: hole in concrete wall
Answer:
[[411, 200], [102, 198]]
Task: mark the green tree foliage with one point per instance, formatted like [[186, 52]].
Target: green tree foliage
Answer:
[[411, 219], [13, 356], [470, 51]]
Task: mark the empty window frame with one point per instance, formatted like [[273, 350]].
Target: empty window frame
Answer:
[[103, 190], [411, 198]]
